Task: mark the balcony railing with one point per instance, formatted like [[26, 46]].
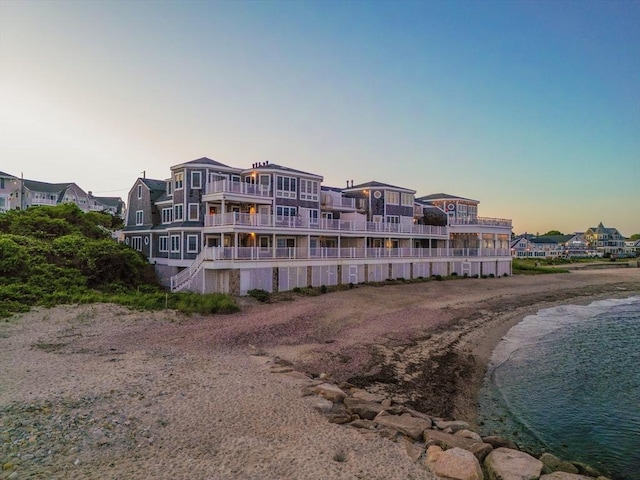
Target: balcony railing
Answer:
[[259, 253], [321, 224], [241, 188], [498, 222]]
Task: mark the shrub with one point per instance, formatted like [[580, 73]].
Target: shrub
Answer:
[[439, 277], [260, 295], [454, 274], [323, 289]]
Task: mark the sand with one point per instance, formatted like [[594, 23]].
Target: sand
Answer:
[[98, 391]]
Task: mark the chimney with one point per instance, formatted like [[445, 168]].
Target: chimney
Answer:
[[267, 162]]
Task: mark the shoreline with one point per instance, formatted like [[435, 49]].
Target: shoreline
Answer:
[[99, 391]]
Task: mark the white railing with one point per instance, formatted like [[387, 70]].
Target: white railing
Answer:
[[499, 222], [325, 224], [182, 280], [300, 253], [241, 188]]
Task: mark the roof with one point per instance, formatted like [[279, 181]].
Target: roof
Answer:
[[558, 238], [109, 201], [376, 184], [3, 174], [46, 187], [275, 166], [157, 188], [203, 161], [445, 196], [544, 240]]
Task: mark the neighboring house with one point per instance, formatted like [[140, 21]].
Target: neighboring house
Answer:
[[523, 247], [550, 246], [16, 193], [113, 205], [7, 184], [632, 246], [212, 227], [605, 240]]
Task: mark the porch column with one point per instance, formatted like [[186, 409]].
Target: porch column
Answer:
[[308, 246], [235, 246], [273, 246]]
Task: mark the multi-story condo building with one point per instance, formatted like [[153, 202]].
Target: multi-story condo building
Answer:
[[215, 228]]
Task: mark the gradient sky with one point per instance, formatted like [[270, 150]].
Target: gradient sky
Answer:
[[531, 107]]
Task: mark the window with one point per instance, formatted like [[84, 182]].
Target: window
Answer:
[[192, 243], [286, 187], [175, 243], [179, 180], [169, 188], [286, 243], [286, 211], [177, 213], [194, 212], [407, 199], [167, 215], [308, 190], [265, 181], [136, 243], [164, 244], [393, 219], [313, 216], [1, 182], [392, 198], [139, 191], [196, 180], [139, 217]]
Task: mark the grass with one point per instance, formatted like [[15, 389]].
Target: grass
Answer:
[[533, 267]]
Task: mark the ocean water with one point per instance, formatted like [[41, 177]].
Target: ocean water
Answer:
[[567, 381]]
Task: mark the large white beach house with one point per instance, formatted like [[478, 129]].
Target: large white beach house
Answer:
[[215, 228]]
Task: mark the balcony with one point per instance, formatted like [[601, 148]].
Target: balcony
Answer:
[[239, 188], [255, 221]]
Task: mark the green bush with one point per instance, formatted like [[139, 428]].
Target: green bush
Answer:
[[260, 295]]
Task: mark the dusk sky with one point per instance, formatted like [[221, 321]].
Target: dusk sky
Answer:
[[530, 107]]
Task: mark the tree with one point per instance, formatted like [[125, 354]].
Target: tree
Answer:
[[552, 232], [635, 236]]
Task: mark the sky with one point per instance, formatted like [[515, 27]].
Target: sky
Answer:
[[530, 107]]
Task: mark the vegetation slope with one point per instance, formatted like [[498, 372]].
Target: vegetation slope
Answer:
[[57, 255]]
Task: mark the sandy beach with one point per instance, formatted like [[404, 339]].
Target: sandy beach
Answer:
[[98, 391]]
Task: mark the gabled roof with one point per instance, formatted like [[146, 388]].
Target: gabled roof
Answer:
[[109, 201], [275, 166], [203, 161], [3, 174], [601, 229], [330, 189], [559, 238], [376, 184], [46, 187], [445, 196]]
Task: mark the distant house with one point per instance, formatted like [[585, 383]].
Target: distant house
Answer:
[[605, 240], [7, 184], [632, 246], [550, 246], [17, 194]]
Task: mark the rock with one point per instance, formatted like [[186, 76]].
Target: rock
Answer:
[[468, 434], [279, 369], [339, 417], [497, 442], [414, 450], [453, 425], [584, 469], [367, 397], [363, 408], [424, 416], [554, 464], [507, 464], [363, 423], [564, 476], [410, 426], [386, 402], [455, 463], [447, 440], [322, 405], [330, 392], [388, 432]]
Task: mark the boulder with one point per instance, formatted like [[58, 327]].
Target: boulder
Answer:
[[455, 463], [367, 397], [468, 434], [406, 424], [497, 442], [564, 476], [322, 405], [329, 391], [363, 408], [454, 425], [585, 469], [447, 440], [554, 464], [507, 464], [414, 450], [362, 423], [424, 416]]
